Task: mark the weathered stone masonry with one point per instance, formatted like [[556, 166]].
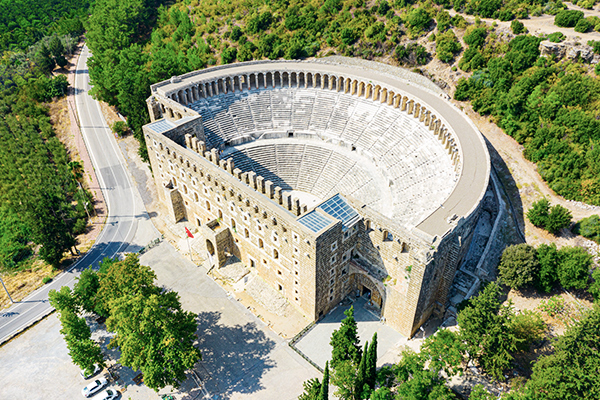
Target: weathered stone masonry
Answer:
[[241, 213]]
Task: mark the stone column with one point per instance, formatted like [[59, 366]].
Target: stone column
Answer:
[[277, 195], [252, 179], [237, 173], [287, 201], [260, 184], [214, 156], [230, 165]]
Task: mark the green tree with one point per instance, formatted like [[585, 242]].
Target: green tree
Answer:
[[574, 267], [517, 27], [344, 341], [418, 20], [518, 266], [558, 218], [324, 390], [590, 227], [155, 336], [547, 278], [44, 60], [447, 45], [312, 389], [382, 393], [480, 393], [443, 20], [361, 387], [568, 18], [121, 279], [64, 300], [84, 352], [594, 288], [371, 368], [444, 351], [417, 382], [485, 327], [86, 288], [538, 213], [571, 372]]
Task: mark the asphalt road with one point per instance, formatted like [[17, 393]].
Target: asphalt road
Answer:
[[125, 207]]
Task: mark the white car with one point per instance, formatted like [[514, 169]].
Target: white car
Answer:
[[94, 387], [108, 394], [84, 375]]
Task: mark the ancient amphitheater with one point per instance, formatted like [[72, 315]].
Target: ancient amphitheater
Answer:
[[327, 177]]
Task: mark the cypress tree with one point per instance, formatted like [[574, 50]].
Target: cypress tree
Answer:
[[361, 375], [324, 392], [371, 371]]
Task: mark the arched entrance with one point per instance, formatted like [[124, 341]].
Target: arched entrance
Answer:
[[210, 247]]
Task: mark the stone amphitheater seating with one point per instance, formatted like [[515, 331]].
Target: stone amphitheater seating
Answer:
[[416, 163]]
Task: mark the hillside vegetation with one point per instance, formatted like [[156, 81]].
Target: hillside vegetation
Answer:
[[42, 205]]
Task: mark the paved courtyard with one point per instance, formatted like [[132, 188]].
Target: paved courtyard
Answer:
[[315, 344], [242, 357]]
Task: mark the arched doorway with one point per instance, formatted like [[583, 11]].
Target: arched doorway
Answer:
[[210, 247]]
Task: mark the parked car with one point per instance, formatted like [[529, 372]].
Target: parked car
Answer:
[[86, 376], [94, 387], [108, 394]]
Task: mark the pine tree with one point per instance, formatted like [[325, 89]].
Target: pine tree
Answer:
[[344, 341], [371, 372], [324, 392]]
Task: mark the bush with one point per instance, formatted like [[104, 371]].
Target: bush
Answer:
[[418, 20], [558, 218], [574, 267], [46, 279], [228, 55], [518, 266], [583, 25], [568, 18], [528, 327], [119, 128], [589, 227], [556, 37], [517, 27], [447, 45], [551, 219], [595, 45], [547, 256], [538, 213]]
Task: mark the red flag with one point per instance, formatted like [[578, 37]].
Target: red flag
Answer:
[[189, 233]]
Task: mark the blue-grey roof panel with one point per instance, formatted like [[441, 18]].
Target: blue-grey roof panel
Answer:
[[161, 126], [338, 208], [314, 221]]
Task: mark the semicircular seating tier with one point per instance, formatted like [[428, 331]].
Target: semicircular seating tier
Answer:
[[414, 173]]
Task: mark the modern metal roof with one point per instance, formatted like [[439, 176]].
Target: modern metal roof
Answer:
[[338, 208], [161, 126], [314, 221]]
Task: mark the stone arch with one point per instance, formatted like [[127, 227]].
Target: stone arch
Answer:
[[376, 92], [180, 96], [210, 247], [277, 79], [308, 80], [326, 81], [252, 81], [367, 284], [384, 95], [294, 79], [269, 81], [318, 80], [361, 89], [285, 79]]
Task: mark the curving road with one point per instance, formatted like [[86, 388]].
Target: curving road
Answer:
[[125, 208]]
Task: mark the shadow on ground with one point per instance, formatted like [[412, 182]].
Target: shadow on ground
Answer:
[[237, 356]]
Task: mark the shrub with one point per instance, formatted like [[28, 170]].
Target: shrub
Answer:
[[447, 45], [583, 25], [538, 213], [518, 266], [443, 20], [547, 256], [574, 267], [119, 128], [46, 279], [558, 218], [556, 37], [418, 20], [594, 288], [568, 18], [589, 227], [228, 55], [475, 37], [236, 33], [517, 27], [528, 327], [595, 45]]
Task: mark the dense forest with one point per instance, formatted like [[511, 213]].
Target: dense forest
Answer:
[[42, 200]]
